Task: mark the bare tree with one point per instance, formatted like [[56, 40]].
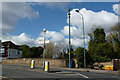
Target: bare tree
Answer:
[[113, 37], [53, 50]]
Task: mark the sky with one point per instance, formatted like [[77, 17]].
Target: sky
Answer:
[[23, 22]]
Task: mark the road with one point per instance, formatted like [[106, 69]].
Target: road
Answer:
[[24, 71]]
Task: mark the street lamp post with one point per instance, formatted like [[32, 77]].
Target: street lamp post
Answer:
[[44, 30], [69, 34], [83, 38]]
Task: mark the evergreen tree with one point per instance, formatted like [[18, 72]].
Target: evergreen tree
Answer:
[[26, 53], [98, 47], [33, 52], [99, 35], [80, 57]]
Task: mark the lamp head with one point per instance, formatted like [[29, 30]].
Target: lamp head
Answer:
[[69, 14], [44, 30], [77, 11]]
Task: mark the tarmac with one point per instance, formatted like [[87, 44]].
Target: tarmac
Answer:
[[64, 68], [65, 71]]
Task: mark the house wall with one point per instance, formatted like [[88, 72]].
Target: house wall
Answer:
[[11, 50], [14, 53]]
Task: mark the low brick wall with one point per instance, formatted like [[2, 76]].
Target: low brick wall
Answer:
[[38, 61]]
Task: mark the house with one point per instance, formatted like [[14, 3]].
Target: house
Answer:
[[10, 50]]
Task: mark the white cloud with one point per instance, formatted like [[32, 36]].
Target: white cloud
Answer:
[[23, 39], [20, 39], [116, 8], [103, 18], [12, 12], [54, 36], [39, 39], [91, 20], [76, 42], [74, 31]]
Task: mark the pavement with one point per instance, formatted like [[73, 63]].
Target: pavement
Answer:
[[89, 70], [24, 71]]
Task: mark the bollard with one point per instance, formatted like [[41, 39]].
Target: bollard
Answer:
[[46, 66], [108, 67], [32, 64]]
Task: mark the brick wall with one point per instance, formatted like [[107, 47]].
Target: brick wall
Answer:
[[38, 61]]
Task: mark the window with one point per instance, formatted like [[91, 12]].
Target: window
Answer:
[[2, 50]]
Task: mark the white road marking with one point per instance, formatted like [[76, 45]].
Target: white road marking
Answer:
[[84, 76]]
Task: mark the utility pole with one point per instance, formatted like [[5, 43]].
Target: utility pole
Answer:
[[84, 43], [44, 50], [69, 35], [83, 37]]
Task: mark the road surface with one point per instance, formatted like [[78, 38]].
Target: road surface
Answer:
[[24, 71]]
